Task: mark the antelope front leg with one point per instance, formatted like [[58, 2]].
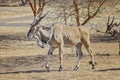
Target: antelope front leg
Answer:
[[48, 57]]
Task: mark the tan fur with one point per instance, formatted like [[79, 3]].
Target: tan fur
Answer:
[[71, 35], [75, 34], [59, 36]]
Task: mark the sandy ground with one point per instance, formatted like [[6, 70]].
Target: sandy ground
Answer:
[[23, 59]]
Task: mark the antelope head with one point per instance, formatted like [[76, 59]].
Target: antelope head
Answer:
[[37, 17], [112, 28], [109, 25]]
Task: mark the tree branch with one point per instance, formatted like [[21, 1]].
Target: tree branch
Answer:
[[35, 8], [32, 7], [94, 14], [76, 11]]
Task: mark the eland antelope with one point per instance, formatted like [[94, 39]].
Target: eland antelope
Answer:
[[58, 36], [114, 30]]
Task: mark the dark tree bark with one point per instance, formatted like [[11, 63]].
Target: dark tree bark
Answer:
[[94, 14], [75, 3]]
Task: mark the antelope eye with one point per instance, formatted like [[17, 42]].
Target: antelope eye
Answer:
[[44, 28]]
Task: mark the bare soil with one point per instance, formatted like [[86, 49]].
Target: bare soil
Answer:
[[23, 59]]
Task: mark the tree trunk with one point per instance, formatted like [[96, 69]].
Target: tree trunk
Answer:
[[75, 2]]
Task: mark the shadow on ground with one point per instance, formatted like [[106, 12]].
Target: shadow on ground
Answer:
[[94, 38], [30, 71], [110, 69], [13, 37], [27, 64], [103, 38]]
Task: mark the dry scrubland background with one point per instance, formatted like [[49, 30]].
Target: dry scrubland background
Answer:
[[22, 59]]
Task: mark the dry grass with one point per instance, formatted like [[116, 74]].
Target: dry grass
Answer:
[[10, 12], [21, 59], [24, 60]]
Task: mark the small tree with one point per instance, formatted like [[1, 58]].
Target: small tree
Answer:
[[76, 10]]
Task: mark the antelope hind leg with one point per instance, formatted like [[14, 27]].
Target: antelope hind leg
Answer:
[[80, 55]]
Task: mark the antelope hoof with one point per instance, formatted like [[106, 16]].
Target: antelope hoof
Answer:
[[48, 69], [60, 69], [119, 53], [76, 68], [93, 66]]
